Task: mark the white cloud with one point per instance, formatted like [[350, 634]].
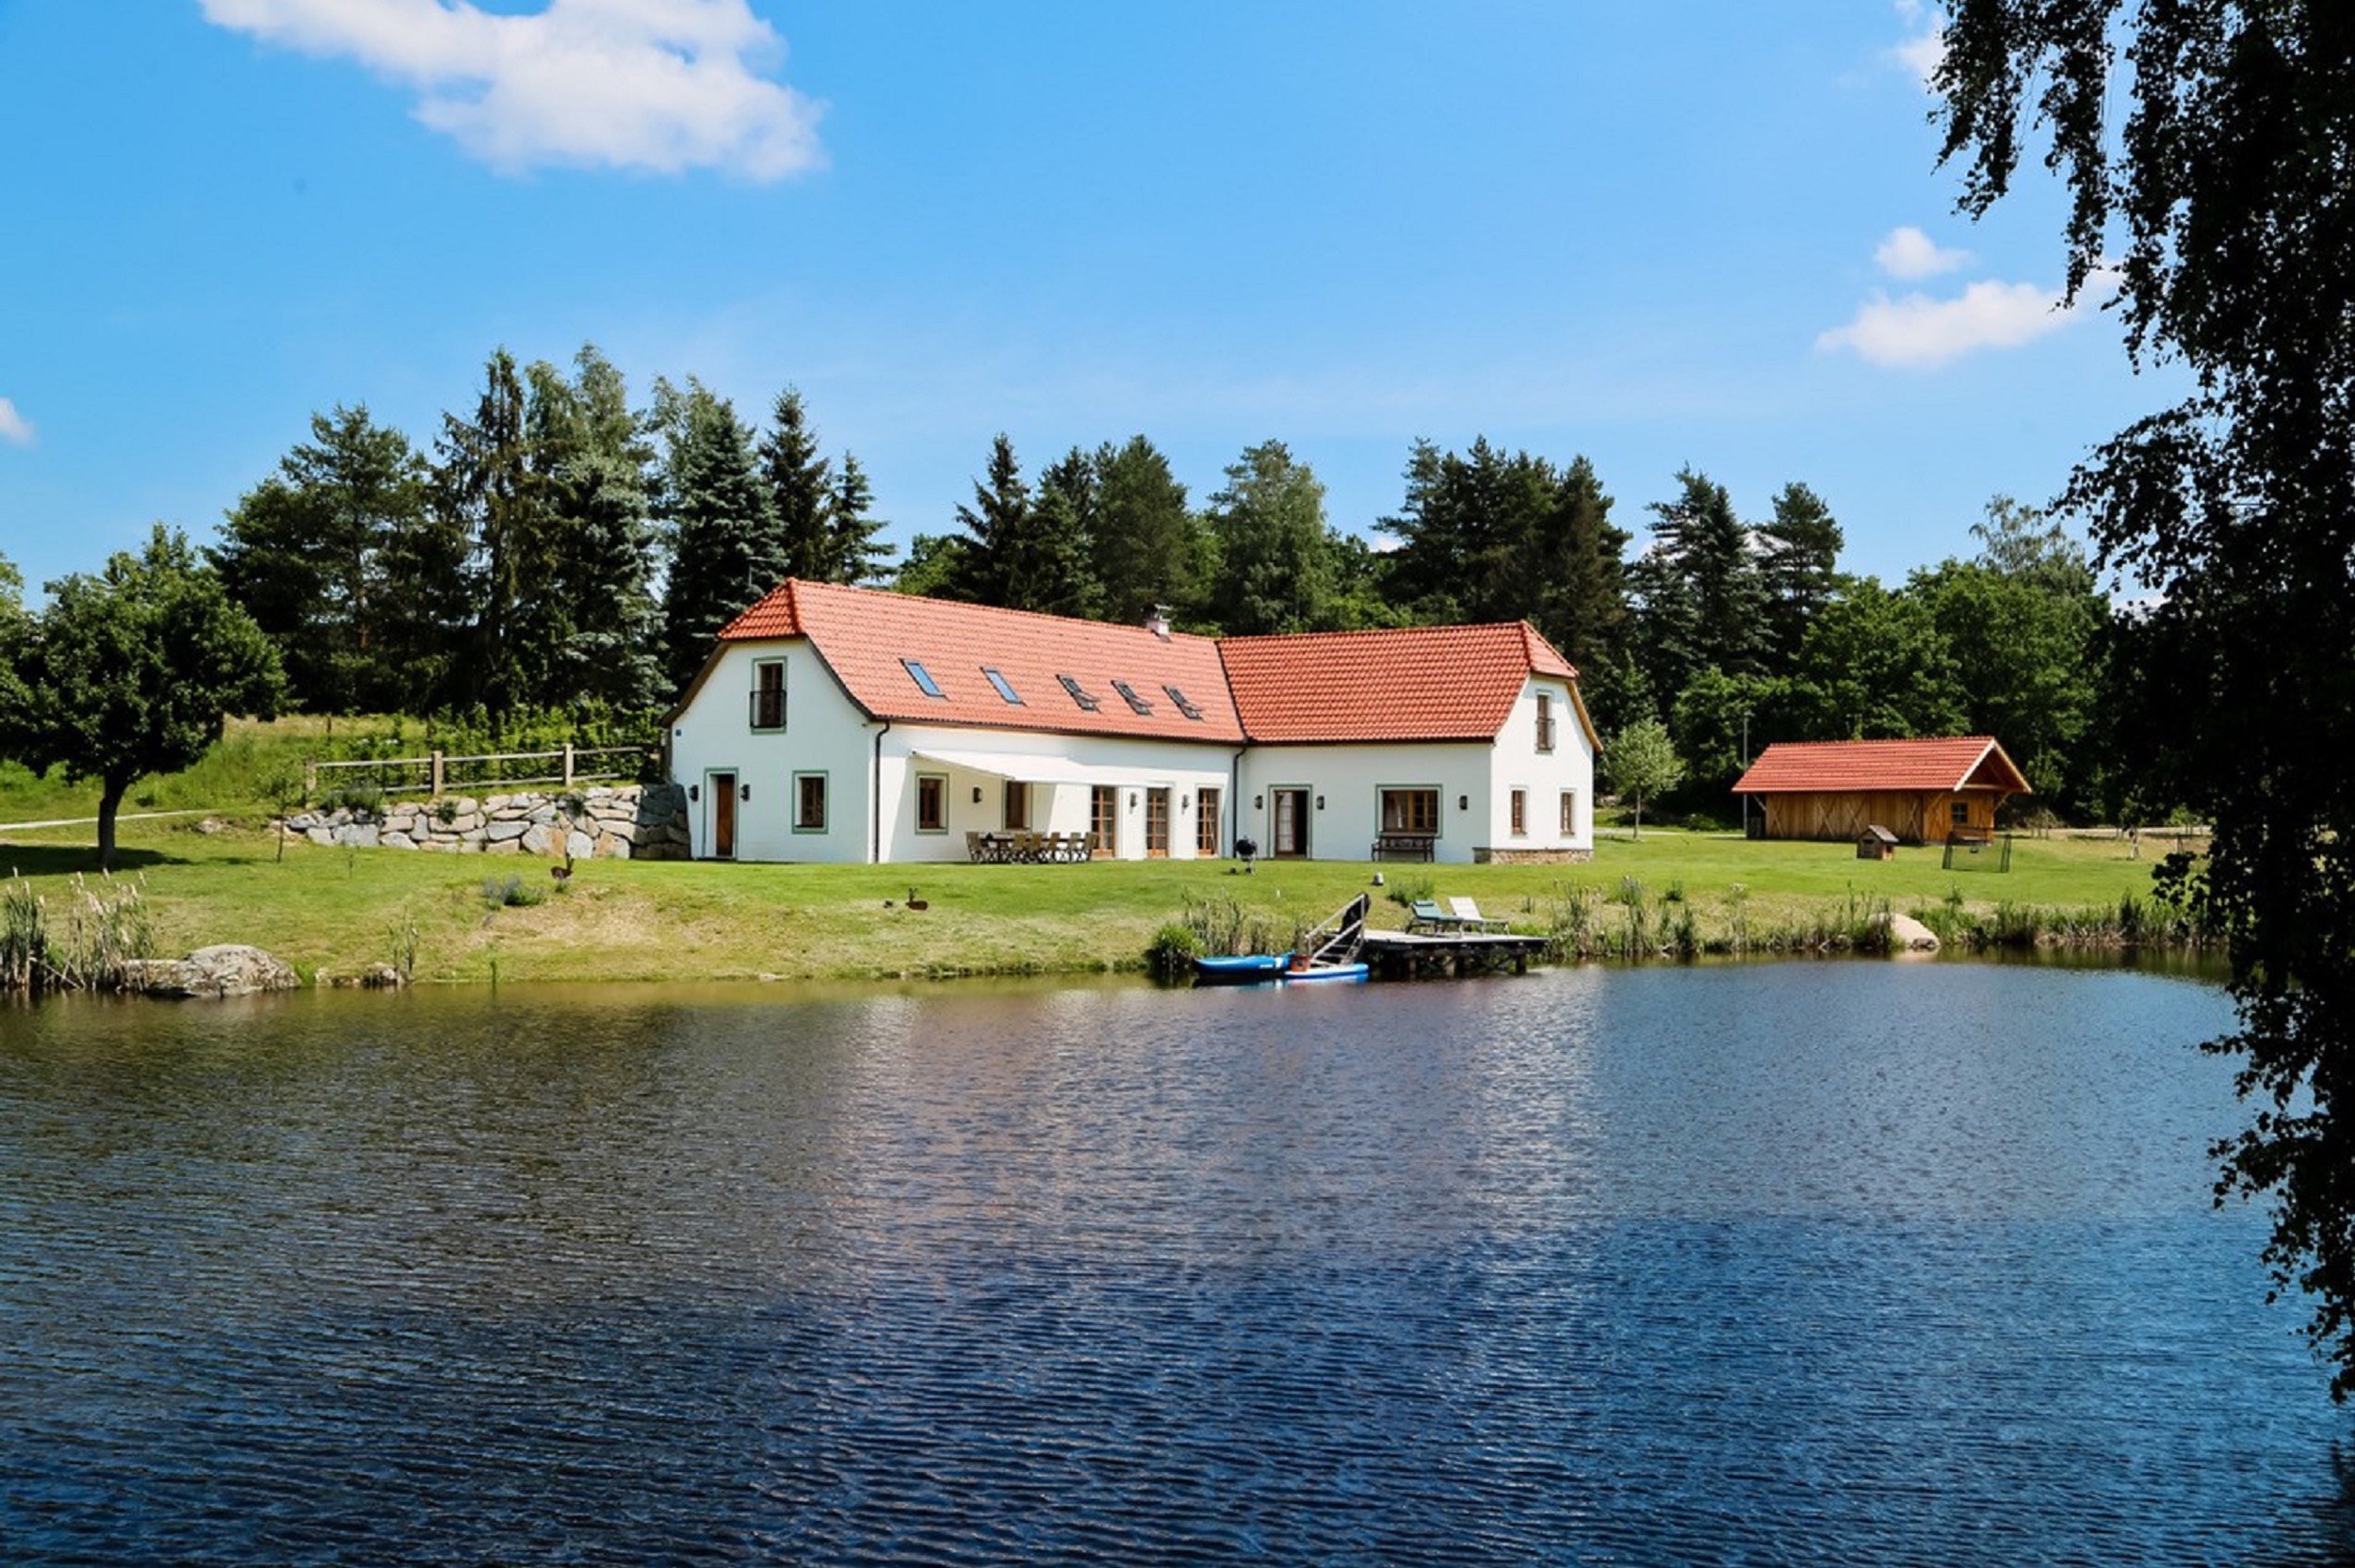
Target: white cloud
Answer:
[[1908, 252], [15, 428], [1921, 53], [656, 85], [1918, 333]]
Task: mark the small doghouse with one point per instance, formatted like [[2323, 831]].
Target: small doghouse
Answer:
[[1875, 843]]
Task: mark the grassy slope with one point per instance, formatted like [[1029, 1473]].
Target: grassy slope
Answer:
[[340, 909], [335, 909]]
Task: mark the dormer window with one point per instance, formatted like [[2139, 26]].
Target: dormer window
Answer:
[[1184, 707], [923, 679], [1004, 687], [1129, 694], [1079, 694]]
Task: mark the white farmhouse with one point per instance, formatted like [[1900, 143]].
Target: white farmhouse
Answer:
[[851, 725]]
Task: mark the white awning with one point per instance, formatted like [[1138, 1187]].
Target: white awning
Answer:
[[1032, 767]]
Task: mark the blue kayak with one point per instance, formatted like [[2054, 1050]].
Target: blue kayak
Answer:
[[1326, 972], [1242, 969]]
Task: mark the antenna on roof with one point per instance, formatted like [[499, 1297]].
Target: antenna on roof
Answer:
[[1157, 622]]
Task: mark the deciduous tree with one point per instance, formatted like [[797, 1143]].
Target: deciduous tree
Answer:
[[1640, 762], [132, 672], [2207, 145]]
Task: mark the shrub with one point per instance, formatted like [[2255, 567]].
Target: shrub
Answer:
[[511, 892], [1171, 954]]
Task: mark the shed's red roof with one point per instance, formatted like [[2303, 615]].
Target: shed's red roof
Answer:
[[1843, 767], [865, 635], [1419, 683]]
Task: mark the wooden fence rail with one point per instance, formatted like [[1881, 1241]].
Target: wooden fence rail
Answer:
[[435, 773]]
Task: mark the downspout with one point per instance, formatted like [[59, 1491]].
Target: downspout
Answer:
[[874, 797], [1234, 792]]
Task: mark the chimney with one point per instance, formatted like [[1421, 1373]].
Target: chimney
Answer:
[[1157, 622]]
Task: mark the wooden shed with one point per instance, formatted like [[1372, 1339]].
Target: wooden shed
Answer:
[[1922, 791]]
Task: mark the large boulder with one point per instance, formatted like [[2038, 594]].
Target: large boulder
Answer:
[[228, 969]]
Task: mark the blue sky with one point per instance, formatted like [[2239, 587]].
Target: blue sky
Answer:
[[1686, 231]]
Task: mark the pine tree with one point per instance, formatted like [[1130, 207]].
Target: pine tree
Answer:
[[1145, 547], [724, 535], [1014, 556], [598, 618], [802, 490], [486, 490], [307, 554], [854, 554], [1798, 567], [1574, 560], [1703, 600]]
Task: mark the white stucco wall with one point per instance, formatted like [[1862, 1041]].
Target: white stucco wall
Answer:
[[825, 733], [1062, 806], [1544, 775], [1475, 782]]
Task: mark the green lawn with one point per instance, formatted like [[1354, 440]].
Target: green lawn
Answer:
[[339, 910]]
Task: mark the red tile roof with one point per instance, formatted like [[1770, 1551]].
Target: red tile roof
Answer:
[[1846, 766], [1417, 683], [864, 635]]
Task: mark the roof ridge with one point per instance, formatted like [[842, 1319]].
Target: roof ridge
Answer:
[[975, 606]]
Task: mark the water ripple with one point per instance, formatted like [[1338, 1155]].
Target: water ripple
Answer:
[[1777, 1265]]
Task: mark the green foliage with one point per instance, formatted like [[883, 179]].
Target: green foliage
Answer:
[[1641, 761], [725, 545], [309, 553], [1020, 556], [1144, 547], [132, 673], [1172, 953], [362, 796], [2214, 181], [511, 892], [85, 946], [1703, 598], [1485, 537], [1278, 560]]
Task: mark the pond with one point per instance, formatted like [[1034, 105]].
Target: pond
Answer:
[[1775, 1263]]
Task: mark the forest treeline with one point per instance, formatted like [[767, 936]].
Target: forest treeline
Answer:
[[558, 548]]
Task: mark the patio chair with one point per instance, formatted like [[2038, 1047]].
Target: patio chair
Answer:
[[1427, 914], [1467, 916]]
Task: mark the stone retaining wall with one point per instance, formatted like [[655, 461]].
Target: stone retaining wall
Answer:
[[604, 822], [1531, 857]]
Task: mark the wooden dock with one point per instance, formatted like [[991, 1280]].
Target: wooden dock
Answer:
[[1401, 954]]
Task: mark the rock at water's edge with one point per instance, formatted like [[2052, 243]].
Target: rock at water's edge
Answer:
[[228, 969]]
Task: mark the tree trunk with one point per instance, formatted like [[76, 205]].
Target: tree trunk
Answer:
[[109, 799], [1639, 817]]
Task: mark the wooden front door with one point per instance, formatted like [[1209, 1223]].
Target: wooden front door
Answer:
[[722, 787], [1291, 823], [1155, 823]]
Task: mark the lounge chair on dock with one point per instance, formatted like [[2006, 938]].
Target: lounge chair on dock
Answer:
[[1469, 919], [1424, 914]]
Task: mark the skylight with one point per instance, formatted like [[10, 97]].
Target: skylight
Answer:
[[1004, 689], [1079, 694], [923, 679], [1130, 694], [1183, 705]]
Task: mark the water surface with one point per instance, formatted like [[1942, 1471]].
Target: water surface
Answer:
[[1785, 1263]]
